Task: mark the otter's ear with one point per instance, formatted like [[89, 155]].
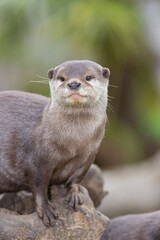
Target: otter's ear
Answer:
[[106, 72], [50, 73]]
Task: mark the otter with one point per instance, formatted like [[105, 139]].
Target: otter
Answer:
[[46, 141], [134, 227]]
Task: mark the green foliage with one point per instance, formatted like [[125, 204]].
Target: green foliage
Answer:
[[110, 25], [95, 25]]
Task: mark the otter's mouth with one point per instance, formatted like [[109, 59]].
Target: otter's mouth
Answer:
[[76, 98]]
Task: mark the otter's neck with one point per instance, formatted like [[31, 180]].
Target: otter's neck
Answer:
[[74, 114], [61, 122]]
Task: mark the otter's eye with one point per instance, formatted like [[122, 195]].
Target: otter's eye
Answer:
[[62, 79], [88, 78]]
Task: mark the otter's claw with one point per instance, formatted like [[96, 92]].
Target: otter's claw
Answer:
[[47, 214], [74, 196]]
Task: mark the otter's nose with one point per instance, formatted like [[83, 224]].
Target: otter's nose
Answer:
[[74, 85]]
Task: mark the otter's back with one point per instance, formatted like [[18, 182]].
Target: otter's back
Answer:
[[18, 108], [20, 112]]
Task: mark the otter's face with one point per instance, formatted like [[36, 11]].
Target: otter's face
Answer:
[[79, 83]]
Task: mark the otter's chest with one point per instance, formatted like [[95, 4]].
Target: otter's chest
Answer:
[[72, 153], [67, 165], [70, 149], [77, 139]]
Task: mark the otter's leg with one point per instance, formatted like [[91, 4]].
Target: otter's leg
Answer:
[[74, 190], [45, 209]]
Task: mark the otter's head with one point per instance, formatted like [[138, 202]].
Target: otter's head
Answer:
[[79, 83]]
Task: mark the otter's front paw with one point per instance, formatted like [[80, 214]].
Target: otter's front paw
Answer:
[[75, 196], [47, 213]]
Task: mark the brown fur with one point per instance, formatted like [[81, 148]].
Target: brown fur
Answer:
[[53, 141]]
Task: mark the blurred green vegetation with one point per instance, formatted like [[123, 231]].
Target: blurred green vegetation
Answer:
[[36, 35]]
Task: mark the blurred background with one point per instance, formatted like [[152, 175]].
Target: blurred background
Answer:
[[122, 35]]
